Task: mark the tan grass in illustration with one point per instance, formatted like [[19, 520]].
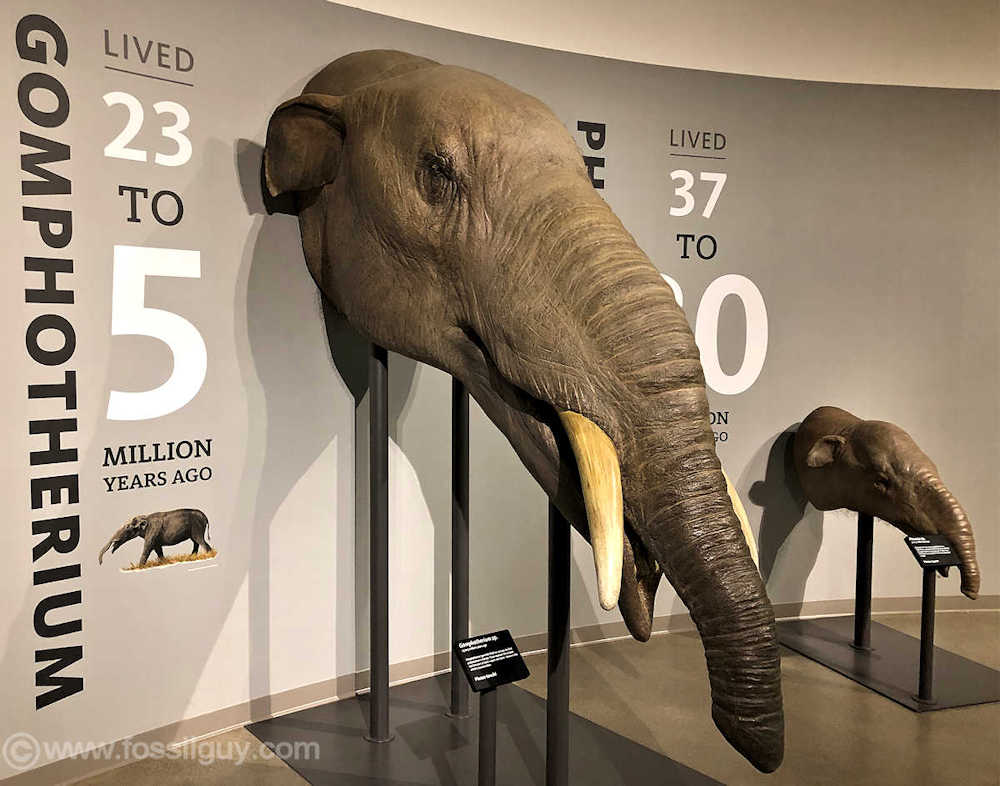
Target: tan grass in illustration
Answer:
[[159, 563]]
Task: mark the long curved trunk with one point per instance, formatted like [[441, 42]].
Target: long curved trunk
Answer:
[[609, 342], [110, 543], [698, 543], [950, 519], [686, 520]]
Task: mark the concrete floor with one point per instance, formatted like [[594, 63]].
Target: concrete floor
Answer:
[[218, 764], [836, 732], [657, 694]]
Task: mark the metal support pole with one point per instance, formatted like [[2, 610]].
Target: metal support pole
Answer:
[[459, 544], [557, 703], [488, 737], [863, 584], [378, 434], [926, 689]]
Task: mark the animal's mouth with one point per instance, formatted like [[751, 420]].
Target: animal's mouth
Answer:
[[578, 465]]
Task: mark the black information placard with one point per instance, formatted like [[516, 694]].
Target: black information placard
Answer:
[[932, 551], [490, 660]]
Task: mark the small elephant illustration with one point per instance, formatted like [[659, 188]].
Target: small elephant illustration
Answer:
[[875, 467], [164, 528]]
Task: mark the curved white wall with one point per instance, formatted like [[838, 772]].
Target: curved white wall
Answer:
[[898, 42]]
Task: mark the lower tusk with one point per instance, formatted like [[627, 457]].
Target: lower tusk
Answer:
[[741, 514], [601, 479]]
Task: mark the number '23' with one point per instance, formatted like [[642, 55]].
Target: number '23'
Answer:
[[119, 146]]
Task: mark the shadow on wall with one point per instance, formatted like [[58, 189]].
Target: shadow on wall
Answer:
[[295, 412], [303, 409], [785, 561]]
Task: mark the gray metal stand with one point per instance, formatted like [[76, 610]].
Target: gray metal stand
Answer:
[[884, 659], [488, 737], [378, 437], [863, 584], [435, 750], [925, 689], [557, 696], [459, 543], [438, 750]]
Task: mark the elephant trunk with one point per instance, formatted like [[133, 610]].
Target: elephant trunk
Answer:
[[610, 343], [947, 517], [115, 540], [694, 534]]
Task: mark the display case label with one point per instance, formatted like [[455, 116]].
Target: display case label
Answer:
[[932, 551], [490, 660]]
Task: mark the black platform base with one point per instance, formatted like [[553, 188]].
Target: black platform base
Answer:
[[433, 749], [892, 665]]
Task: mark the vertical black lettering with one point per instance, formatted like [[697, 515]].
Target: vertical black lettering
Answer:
[[50, 357], [50, 293], [62, 535], [38, 51], [49, 153], [38, 81], [56, 453], [62, 686]]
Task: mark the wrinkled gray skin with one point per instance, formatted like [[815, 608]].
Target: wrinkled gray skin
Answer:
[[165, 528], [449, 217], [876, 468]]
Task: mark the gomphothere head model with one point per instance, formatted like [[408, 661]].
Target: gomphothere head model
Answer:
[[449, 217], [875, 467]]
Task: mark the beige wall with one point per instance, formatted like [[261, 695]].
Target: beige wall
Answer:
[[934, 43]]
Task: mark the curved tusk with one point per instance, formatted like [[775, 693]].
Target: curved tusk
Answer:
[[741, 514], [601, 479]]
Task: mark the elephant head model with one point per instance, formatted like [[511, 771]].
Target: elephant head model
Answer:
[[449, 217], [875, 467], [161, 529]]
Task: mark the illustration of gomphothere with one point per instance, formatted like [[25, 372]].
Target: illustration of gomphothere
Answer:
[[164, 528]]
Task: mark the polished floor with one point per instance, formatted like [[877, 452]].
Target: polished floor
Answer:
[[656, 694]]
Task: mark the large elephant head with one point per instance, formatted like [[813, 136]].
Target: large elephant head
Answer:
[[134, 528], [876, 467], [450, 218]]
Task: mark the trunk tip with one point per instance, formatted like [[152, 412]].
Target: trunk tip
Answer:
[[640, 632], [970, 581], [761, 741]]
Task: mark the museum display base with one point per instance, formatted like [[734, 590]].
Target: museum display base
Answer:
[[432, 748], [892, 665]]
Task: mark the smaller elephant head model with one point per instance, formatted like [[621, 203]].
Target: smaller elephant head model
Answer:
[[875, 467], [165, 528]]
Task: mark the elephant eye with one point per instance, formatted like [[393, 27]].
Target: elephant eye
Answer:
[[882, 482], [436, 177]]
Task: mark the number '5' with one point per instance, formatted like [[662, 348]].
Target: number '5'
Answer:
[[130, 317]]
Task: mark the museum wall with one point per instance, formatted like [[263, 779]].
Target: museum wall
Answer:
[[893, 42], [846, 258]]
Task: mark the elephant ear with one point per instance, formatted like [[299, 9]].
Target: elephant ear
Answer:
[[825, 450], [305, 137]]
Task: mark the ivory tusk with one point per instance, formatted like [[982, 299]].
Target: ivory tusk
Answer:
[[601, 479], [741, 514]]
